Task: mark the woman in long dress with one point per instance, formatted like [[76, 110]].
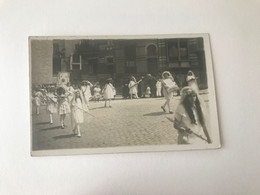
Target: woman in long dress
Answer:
[[169, 86], [108, 92], [190, 119], [86, 90]]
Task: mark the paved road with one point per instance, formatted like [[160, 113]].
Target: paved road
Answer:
[[128, 122]]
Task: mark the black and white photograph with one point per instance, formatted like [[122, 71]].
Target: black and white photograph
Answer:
[[129, 97], [122, 94]]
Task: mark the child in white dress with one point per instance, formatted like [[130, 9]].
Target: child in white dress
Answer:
[[148, 91], [96, 94], [169, 86], [63, 104], [52, 103], [159, 88], [133, 87], [37, 100], [109, 92], [78, 108], [86, 90]]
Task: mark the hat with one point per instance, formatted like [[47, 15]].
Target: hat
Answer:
[[166, 72], [85, 81]]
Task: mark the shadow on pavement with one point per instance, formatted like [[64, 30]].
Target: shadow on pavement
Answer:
[[155, 114], [97, 108], [42, 123], [50, 128], [64, 136]]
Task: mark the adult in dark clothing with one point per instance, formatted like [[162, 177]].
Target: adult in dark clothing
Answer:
[[142, 87], [125, 90], [151, 82]]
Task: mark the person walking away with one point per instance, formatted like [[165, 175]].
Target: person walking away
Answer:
[[190, 119]]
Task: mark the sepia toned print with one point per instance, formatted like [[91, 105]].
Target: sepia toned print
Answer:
[[122, 94]]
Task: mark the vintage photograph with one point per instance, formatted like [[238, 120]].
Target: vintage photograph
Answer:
[[109, 94]]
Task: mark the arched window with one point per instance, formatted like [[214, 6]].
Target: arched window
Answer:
[[151, 51]]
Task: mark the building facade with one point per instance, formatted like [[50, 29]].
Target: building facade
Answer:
[[97, 60]]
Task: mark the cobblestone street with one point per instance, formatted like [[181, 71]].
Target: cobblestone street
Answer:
[[128, 122]]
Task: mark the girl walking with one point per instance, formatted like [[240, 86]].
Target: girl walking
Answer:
[[63, 104], [51, 106], [169, 86], [78, 108]]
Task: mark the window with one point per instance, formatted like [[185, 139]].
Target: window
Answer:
[[56, 60], [151, 51], [130, 57], [75, 62]]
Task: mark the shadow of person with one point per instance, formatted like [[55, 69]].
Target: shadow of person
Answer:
[[155, 114], [63, 136], [97, 108], [50, 128], [42, 123]]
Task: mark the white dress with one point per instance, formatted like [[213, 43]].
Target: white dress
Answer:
[[109, 91], [64, 106], [97, 91], [51, 103], [167, 84], [77, 111], [37, 100], [70, 90], [86, 92], [132, 88], [192, 83]]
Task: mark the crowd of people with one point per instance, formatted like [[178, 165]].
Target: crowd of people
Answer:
[[190, 116]]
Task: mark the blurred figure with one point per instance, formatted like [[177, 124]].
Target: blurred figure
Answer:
[[86, 90], [159, 88], [97, 91], [190, 119], [191, 80], [109, 92]]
